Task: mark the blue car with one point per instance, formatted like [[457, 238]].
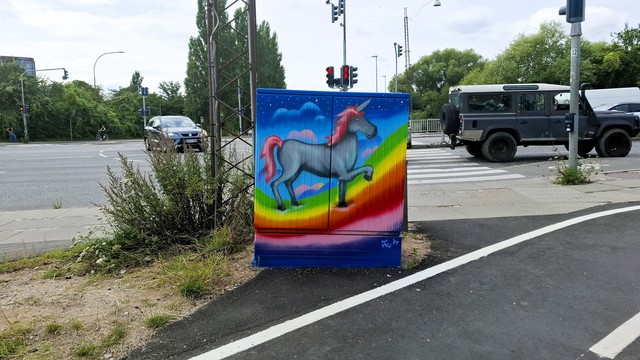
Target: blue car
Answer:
[[174, 130]]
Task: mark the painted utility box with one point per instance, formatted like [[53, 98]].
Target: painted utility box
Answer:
[[330, 178]]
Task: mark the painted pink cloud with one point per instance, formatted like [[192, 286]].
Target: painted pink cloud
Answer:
[[367, 152], [304, 187], [304, 135]]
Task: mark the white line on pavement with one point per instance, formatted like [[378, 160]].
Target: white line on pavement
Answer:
[[410, 166], [468, 170], [619, 339], [330, 310], [103, 155], [446, 180]]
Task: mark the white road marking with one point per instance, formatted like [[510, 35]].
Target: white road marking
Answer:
[[412, 165], [335, 308], [465, 179], [435, 166], [103, 155], [620, 338], [456, 172]]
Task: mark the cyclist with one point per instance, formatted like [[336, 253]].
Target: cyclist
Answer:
[[102, 132]]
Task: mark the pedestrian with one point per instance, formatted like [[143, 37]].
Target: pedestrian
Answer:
[[12, 135]]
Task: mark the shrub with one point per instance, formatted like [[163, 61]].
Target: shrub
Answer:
[[570, 176], [179, 203]]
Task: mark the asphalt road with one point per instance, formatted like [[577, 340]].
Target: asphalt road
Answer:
[[41, 175], [551, 297]]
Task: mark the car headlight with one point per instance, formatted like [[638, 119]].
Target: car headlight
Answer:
[[170, 134]]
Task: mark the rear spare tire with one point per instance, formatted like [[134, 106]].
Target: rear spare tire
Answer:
[[449, 122]]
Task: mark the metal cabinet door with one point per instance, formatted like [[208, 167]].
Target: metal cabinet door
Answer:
[[291, 130]]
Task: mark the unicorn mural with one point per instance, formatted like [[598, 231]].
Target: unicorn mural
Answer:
[[344, 173], [336, 158]]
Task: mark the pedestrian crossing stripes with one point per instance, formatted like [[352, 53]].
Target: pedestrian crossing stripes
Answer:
[[438, 166]]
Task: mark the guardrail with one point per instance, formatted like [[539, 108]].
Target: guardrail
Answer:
[[425, 126]]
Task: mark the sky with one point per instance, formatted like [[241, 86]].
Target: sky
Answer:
[[154, 34]]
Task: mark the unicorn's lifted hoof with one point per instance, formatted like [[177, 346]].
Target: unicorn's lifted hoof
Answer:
[[368, 177], [281, 207], [342, 204]]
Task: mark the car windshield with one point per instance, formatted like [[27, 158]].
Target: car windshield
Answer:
[[603, 107], [177, 121]]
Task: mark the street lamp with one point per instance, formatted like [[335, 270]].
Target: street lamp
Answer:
[[376, 56], [94, 64]]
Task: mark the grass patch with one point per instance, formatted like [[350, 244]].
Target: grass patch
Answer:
[[14, 340], [194, 274], [85, 349], [57, 204], [76, 325], [54, 274], [158, 321], [53, 257], [115, 336], [53, 328]]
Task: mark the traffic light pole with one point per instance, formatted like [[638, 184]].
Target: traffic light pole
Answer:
[[345, 87], [24, 108], [574, 104], [574, 11]]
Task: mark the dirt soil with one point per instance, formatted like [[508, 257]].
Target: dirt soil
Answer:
[[61, 316]]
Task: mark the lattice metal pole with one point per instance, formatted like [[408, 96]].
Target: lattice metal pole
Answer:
[[232, 68]]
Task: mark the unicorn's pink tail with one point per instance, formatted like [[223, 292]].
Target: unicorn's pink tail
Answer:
[[267, 150]]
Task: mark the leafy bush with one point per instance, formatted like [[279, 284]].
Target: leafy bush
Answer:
[[570, 176], [178, 204]]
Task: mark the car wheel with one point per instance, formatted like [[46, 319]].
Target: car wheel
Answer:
[[449, 122], [584, 148], [147, 145], [499, 147], [475, 149], [614, 143]]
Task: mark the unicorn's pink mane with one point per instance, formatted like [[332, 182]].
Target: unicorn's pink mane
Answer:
[[341, 124]]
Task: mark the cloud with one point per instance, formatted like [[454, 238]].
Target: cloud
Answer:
[[305, 136]]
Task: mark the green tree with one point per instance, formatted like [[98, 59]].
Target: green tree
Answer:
[[232, 58], [621, 65], [172, 100], [10, 97], [540, 57], [429, 79]]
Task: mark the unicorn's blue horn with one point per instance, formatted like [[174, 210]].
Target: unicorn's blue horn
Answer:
[[363, 105]]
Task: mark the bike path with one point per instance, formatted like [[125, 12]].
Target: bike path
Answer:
[[551, 297]]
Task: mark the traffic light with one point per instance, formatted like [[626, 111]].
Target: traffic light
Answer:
[[65, 76], [21, 109], [147, 111], [335, 13], [341, 6], [399, 50], [144, 91], [345, 75], [352, 75], [27, 108], [574, 11], [330, 76]]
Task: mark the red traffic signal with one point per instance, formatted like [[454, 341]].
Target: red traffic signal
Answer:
[[345, 75], [330, 77]]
